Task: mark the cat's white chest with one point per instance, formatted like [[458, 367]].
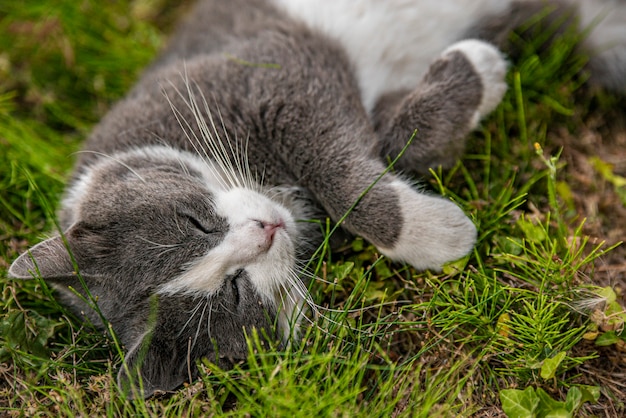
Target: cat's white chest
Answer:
[[391, 42]]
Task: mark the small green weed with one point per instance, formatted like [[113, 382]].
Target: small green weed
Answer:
[[531, 403]]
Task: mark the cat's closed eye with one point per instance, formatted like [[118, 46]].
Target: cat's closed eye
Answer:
[[198, 225]]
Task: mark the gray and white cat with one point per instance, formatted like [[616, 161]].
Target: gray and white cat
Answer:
[[185, 214]]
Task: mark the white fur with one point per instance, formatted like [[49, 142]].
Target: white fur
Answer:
[[435, 230], [391, 42], [489, 63]]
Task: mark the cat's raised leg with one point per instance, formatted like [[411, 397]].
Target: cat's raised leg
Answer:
[[461, 87]]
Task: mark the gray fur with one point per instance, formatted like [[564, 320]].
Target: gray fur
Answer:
[[281, 101]]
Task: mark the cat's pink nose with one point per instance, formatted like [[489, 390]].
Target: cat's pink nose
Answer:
[[270, 229]]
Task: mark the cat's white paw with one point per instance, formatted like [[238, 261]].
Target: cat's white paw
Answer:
[[490, 64], [435, 230]]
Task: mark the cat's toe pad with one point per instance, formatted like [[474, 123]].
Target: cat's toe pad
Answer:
[[491, 66], [435, 230]]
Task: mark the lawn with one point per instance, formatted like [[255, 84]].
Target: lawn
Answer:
[[530, 323]]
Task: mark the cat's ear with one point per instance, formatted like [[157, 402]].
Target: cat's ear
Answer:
[[49, 259], [152, 365]]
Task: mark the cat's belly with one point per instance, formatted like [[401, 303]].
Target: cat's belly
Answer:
[[391, 42]]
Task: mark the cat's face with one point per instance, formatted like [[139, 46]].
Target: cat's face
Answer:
[[162, 228], [171, 215]]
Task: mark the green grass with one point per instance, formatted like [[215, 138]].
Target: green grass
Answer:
[[525, 310]]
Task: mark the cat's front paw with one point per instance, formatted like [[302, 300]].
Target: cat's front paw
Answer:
[[491, 66], [434, 230]]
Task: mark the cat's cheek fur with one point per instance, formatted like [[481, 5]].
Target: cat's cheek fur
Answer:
[[435, 231], [491, 66]]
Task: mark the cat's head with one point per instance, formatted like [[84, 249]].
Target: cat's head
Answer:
[[182, 258]]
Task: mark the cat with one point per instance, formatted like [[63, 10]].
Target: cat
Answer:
[[191, 212]]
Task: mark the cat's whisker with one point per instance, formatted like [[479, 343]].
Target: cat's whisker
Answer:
[[218, 153], [229, 179], [181, 162], [158, 245], [182, 233], [253, 182], [208, 321], [262, 180], [304, 291], [183, 166], [236, 170], [319, 311], [314, 323], [295, 301], [206, 304], [293, 314], [300, 315], [186, 128], [367, 308], [191, 316], [166, 248], [301, 296], [240, 156], [162, 253], [219, 148], [319, 279], [225, 308], [301, 290], [211, 140], [185, 125]]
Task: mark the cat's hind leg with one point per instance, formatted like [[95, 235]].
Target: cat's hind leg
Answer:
[[463, 85]]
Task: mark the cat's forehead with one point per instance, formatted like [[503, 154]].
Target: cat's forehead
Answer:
[[151, 164], [150, 174], [159, 162]]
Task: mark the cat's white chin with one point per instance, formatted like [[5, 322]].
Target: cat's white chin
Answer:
[[435, 231]]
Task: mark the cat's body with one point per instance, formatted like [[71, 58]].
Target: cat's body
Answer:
[[182, 216]]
